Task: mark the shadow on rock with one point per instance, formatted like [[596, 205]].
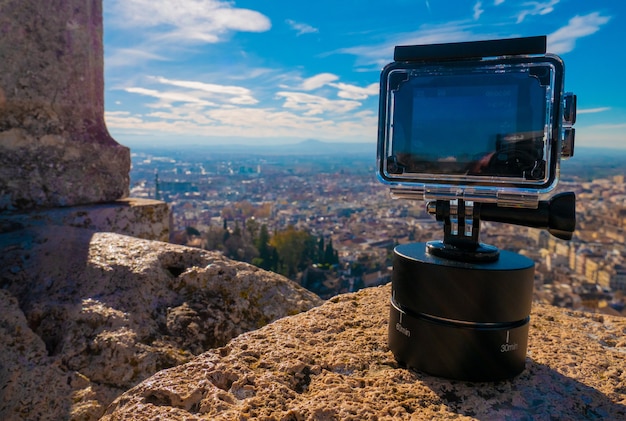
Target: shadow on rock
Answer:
[[538, 393]]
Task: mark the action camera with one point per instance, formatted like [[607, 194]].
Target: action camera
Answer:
[[484, 128], [477, 130]]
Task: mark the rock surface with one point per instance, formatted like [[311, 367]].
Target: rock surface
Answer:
[[332, 363], [88, 315]]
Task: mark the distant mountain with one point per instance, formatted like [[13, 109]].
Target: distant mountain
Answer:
[[307, 147], [587, 163], [591, 163], [587, 152], [316, 147]]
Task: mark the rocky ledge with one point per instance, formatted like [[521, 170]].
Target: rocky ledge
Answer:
[[332, 363], [88, 315]]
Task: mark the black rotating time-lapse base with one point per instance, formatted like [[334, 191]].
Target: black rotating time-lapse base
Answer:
[[460, 309]]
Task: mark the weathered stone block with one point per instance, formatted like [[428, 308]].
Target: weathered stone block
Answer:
[[141, 218], [55, 171], [55, 149]]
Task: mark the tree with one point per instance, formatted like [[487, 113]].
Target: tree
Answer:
[[238, 245], [252, 226], [320, 250], [214, 238], [192, 231], [295, 249], [265, 259], [330, 255], [309, 255], [237, 230]]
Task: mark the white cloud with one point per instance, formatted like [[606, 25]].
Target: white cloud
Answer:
[[381, 54], [498, 2], [121, 119], [192, 109], [168, 98], [478, 10], [317, 81], [240, 95], [352, 92], [564, 39], [301, 28], [616, 126], [252, 118], [593, 110], [536, 8], [117, 113], [253, 123], [130, 57], [196, 109], [312, 105], [346, 91], [203, 21], [561, 41], [180, 114], [602, 135]]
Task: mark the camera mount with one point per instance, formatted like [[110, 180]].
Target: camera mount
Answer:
[[461, 224], [460, 308], [476, 129]]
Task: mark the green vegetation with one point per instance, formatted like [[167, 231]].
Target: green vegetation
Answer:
[[288, 252]]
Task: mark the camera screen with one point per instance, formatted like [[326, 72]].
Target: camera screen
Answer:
[[469, 124]]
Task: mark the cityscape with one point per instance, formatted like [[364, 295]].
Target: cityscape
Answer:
[[316, 213]]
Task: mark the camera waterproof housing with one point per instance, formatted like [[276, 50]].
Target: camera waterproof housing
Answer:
[[477, 130]]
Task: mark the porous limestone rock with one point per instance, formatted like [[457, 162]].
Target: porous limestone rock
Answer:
[[88, 315], [333, 363], [25, 365]]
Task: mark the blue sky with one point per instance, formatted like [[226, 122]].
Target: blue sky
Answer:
[[274, 71]]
